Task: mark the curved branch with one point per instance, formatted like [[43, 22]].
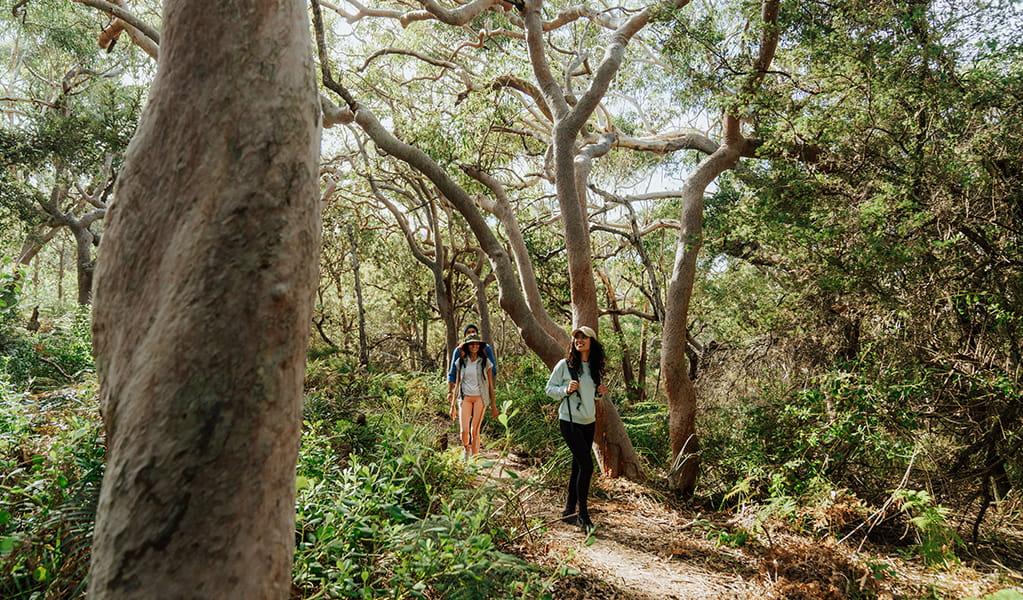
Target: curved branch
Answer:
[[668, 143], [502, 209], [538, 59], [412, 53], [456, 16], [334, 114], [526, 87], [144, 36]]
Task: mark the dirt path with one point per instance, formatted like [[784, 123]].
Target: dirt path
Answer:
[[644, 550], [634, 553]]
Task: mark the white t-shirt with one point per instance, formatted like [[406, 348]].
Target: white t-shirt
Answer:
[[471, 383]]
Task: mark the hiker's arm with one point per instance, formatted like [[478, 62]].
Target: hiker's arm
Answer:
[[493, 398], [452, 399], [451, 383], [493, 361], [557, 385], [451, 369]]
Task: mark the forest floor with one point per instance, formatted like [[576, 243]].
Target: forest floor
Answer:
[[645, 549]]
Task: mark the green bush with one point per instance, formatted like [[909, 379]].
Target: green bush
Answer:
[[401, 521], [52, 358], [51, 460], [847, 430]]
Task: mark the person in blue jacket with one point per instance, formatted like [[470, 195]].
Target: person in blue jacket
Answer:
[[576, 382], [471, 329]]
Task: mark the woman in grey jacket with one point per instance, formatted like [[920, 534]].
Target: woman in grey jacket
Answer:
[[575, 381]]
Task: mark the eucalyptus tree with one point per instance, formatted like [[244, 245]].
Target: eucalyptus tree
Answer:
[[67, 117], [204, 291], [537, 111]]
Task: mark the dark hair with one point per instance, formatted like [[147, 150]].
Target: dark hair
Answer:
[[596, 361], [481, 353], [470, 326]]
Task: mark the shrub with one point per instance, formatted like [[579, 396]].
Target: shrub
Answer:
[[51, 457], [400, 521], [58, 356]]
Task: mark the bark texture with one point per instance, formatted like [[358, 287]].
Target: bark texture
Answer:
[[678, 385], [204, 291]]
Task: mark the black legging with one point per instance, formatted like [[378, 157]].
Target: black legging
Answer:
[[580, 441]]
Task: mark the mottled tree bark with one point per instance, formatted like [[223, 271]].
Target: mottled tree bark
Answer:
[[204, 289]]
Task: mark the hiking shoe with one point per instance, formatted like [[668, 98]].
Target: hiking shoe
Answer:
[[585, 523], [570, 517]]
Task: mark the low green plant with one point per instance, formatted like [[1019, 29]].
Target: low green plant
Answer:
[[51, 464], [936, 540], [46, 360], [1006, 594], [400, 521]]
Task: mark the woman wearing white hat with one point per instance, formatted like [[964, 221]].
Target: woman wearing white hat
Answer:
[[575, 381]]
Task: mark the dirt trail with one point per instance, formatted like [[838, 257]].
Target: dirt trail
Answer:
[[634, 553], [644, 550]]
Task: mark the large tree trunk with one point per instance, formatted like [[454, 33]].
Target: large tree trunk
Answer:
[[678, 386], [611, 444], [85, 264], [204, 292]]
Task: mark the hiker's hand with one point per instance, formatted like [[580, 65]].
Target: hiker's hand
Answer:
[[601, 389], [573, 386], [493, 411], [454, 412]]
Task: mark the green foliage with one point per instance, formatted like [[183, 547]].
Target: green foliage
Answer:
[[51, 461], [647, 426], [1006, 594], [52, 358], [399, 522], [10, 290], [533, 431], [937, 539], [823, 432]]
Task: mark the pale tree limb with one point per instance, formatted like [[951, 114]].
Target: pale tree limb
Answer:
[[511, 298], [457, 16], [678, 384], [502, 209], [145, 37]]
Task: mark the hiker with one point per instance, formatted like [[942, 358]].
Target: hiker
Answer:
[[471, 329], [575, 381], [471, 391]]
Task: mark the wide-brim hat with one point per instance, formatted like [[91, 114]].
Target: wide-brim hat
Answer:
[[472, 339], [587, 331]]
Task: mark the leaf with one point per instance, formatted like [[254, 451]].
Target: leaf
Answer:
[[7, 544]]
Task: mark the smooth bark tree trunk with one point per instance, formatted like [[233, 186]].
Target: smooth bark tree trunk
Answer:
[[204, 290], [360, 305], [85, 264], [678, 386], [644, 353], [612, 446]]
